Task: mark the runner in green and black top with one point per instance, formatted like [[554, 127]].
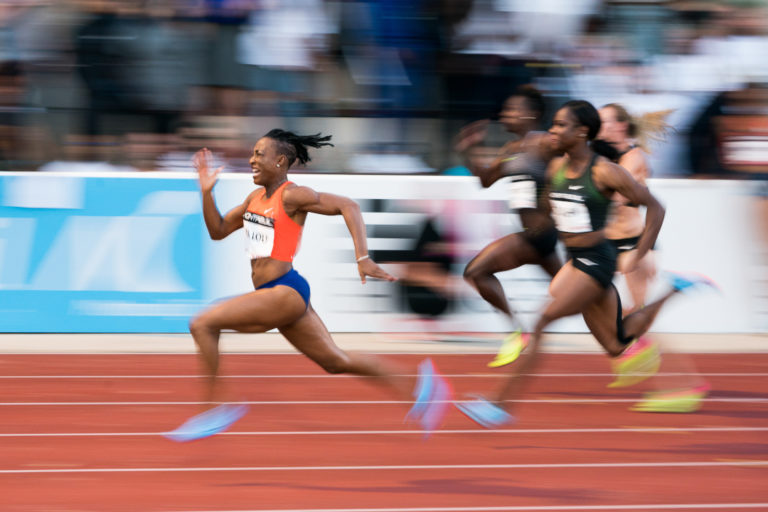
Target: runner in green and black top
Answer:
[[524, 160], [578, 206], [581, 186]]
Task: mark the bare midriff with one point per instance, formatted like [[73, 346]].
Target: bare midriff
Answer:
[[264, 270]]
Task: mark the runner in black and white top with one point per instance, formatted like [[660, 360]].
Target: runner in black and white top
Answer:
[[524, 160]]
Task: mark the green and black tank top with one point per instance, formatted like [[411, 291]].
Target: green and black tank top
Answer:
[[577, 204]]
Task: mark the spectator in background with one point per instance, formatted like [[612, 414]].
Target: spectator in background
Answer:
[[730, 136], [280, 47], [11, 92], [134, 69]]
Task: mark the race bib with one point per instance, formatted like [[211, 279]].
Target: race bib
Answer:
[[260, 235], [571, 217], [522, 193]]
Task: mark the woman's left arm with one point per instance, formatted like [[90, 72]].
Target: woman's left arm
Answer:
[[616, 179], [302, 200]]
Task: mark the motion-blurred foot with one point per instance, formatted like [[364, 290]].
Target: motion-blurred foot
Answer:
[[510, 349], [208, 423]]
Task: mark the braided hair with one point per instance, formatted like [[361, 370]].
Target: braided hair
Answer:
[[295, 146]]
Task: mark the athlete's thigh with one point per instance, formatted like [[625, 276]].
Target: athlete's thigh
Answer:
[[645, 267], [506, 253], [621, 261], [310, 337], [551, 264], [602, 317], [257, 311], [648, 264], [559, 280], [572, 292]]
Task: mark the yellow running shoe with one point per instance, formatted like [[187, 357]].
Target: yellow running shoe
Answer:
[[639, 361], [510, 349], [680, 401]]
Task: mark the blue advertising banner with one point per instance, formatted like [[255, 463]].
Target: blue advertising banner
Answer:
[[125, 253], [99, 254]]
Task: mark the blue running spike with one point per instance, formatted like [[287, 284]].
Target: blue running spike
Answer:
[[682, 282], [484, 413], [208, 423], [438, 405], [423, 391]]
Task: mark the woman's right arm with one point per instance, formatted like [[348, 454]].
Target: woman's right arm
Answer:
[[493, 172], [218, 227], [467, 143]]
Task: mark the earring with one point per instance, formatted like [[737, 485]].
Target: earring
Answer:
[[278, 165]]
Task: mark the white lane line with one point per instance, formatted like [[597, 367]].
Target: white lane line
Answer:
[[516, 431], [593, 465], [325, 376], [384, 402], [524, 508]]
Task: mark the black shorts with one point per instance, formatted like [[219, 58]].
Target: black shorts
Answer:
[[425, 301], [598, 261], [625, 244], [543, 241]]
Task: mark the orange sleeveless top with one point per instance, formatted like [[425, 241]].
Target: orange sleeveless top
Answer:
[[269, 231]]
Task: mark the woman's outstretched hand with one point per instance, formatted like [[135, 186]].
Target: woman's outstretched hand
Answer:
[[205, 176], [471, 135], [368, 267]]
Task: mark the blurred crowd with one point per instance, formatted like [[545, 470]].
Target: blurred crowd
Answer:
[[110, 85]]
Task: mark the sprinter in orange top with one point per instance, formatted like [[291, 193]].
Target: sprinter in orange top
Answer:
[[269, 230], [273, 217]]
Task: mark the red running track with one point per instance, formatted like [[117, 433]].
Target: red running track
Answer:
[[83, 433]]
